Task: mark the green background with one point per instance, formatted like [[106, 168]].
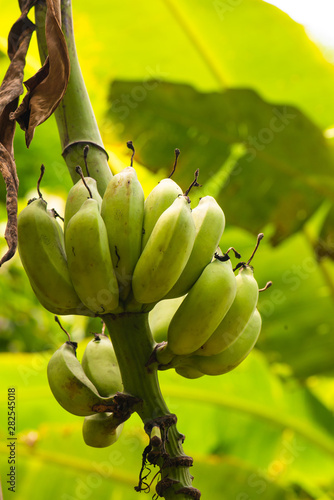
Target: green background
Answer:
[[247, 97]]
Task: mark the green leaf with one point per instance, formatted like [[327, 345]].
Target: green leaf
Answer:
[[207, 45], [246, 430], [202, 44], [280, 148], [324, 246], [279, 428]]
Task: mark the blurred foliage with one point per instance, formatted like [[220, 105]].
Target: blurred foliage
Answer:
[[280, 149], [207, 78], [249, 432]]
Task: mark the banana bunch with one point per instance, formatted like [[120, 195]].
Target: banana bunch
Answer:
[[120, 252], [217, 323], [88, 389]]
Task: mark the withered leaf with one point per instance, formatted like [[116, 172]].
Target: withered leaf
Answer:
[[7, 167], [11, 87], [47, 87], [45, 91], [19, 27], [10, 90]]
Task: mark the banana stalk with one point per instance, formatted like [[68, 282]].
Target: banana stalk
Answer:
[[142, 381], [131, 336]]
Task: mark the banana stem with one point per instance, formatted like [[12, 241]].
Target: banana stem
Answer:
[[133, 344], [130, 333], [75, 117]]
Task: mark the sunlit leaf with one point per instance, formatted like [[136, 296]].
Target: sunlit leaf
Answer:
[[280, 148], [243, 432]]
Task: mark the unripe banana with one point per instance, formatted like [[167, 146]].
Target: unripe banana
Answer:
[[160, 198], [160, 317], [101, 430], [238, 315], [210, 223], [44, 260], [123, 212], [165, 254], [77, 195], [70, 385], [231, 357], [203, 309], [81, 310], [89, 260], [100, 365], [188, 372]]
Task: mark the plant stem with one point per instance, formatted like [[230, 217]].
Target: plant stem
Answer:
[[75, 117], [133, 344], [130, 332]]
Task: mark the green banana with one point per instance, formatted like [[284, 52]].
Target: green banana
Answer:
[[188, 372], [238, 315], [160, 317], [123, 212], [70, 385], [160, 198], [231, 357], [165, 254], [89, 261], [43, 257], [205, 306], [51, 306], [77, 195], [101, 430], [100, 365], [210, 223]]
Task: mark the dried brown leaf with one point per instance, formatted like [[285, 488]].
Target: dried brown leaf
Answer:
[[10, 90], [19, 27], [7, 130], [47, 87], [25, 5], [7, 166], [45, 91]]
